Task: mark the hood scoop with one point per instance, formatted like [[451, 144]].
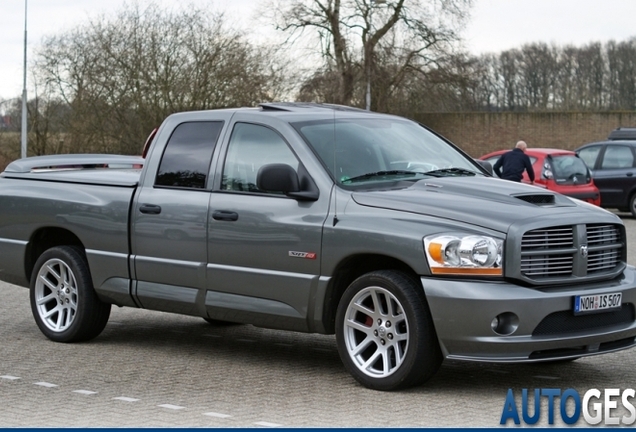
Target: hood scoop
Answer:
[[537, 199]]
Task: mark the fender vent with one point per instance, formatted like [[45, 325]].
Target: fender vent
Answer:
[[540, 199]]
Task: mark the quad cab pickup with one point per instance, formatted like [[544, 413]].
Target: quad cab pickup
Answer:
[[326, 219]]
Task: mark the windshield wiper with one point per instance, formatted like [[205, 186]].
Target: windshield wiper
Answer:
[[381, 174], [451, 172]]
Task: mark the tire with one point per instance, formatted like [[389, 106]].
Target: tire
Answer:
[[632, 205], [385, 333], [63, 301]]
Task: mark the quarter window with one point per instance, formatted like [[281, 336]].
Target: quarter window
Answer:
[[589, 155], [251, 147], [186, 160]]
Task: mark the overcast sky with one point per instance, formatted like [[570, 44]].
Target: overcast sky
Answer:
[[495, 25]]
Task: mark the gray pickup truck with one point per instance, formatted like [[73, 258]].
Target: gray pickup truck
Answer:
[[326, 219]]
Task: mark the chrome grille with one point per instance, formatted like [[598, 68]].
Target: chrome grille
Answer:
[[549, 238], [607, 239], [547, 265], [574, 250], [602, 234]]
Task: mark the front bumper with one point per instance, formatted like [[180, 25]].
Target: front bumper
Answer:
[[463, 311]]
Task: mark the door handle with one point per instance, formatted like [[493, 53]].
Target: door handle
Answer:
[[630, 174], [225, 215], [150, 209]]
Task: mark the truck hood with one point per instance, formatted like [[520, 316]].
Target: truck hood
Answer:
[[482, 201]]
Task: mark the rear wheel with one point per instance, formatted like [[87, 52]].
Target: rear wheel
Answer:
[[385, 333], [63, 301]]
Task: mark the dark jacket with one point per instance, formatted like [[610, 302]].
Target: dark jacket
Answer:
[[513, 164]]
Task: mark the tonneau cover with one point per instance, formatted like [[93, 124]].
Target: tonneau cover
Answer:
[[100, 169]]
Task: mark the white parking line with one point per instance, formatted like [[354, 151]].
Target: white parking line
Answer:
[[126, 399], [9, 377], [218, 415], [172, 407], [166, 406], [45, 384], [267, 424], [85, 392]]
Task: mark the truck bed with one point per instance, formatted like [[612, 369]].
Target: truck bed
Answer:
[[90, 204]]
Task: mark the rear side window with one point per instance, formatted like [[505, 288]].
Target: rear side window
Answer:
[[186, 160], [617, 157]]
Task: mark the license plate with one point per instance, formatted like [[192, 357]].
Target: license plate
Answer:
[[597, 303]]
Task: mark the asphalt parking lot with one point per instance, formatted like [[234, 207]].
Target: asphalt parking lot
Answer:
[[151, 369]]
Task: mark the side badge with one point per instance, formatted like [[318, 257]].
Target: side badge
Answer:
[[305, 255]]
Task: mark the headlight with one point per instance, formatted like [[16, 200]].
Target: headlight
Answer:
[[464, 254]]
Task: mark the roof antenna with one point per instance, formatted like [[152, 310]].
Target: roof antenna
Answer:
[[335, 173]]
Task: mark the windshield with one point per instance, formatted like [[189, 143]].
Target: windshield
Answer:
[[379, 150]]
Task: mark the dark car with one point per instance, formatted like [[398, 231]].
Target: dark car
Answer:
[[613, 166], [557, 170]]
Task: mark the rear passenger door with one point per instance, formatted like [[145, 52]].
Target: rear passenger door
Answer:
[[168, 232]]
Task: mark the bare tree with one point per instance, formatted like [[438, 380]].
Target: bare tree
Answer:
[[538, 69], [353, 34], [122, 75], [621, 58]]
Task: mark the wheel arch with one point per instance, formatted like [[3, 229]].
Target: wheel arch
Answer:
[[348, 270], [42, 240]]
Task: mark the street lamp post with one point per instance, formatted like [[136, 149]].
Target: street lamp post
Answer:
[[369, 53], [23, 146], [366, 56]]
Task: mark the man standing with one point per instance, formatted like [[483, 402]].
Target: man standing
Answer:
[[513, 164]]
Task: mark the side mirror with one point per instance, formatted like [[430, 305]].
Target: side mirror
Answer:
[[283, 178], [277, 178], [485, 165]]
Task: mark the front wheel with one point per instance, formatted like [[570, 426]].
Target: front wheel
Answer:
[[63, 301], [632, 204], [385, 333]]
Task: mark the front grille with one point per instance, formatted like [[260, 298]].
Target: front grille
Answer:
[[571, 250], [564, 322], [606, 258], [542, 252]]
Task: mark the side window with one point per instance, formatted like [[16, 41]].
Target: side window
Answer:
[[589, 155], [252, 146], [617, 157], [186, 160]]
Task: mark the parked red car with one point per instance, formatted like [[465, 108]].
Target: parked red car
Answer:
[[560, 171]]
